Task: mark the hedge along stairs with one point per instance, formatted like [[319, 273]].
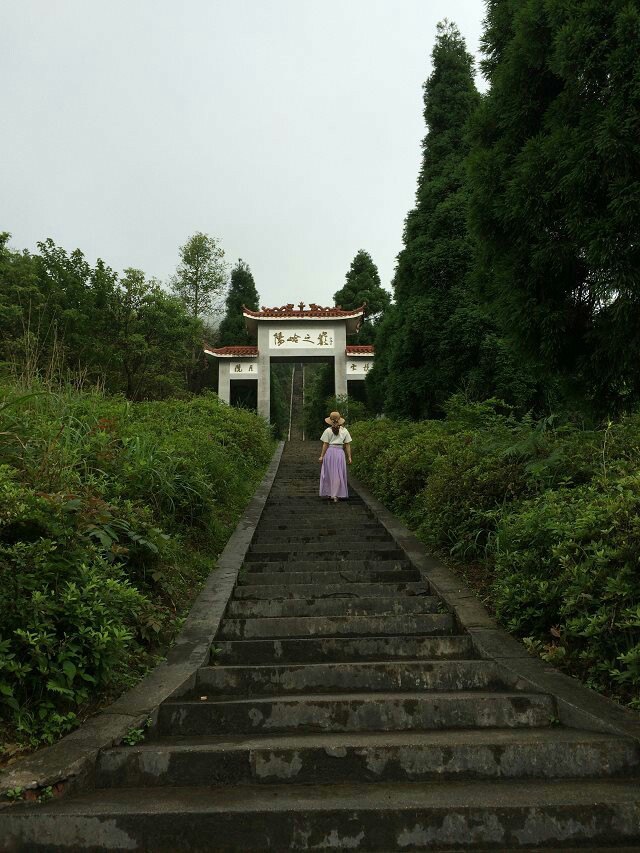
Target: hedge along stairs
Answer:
[[344, 708]]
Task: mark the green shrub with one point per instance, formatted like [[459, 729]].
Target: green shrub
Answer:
[[70, 617], [550, 511], [567, 576], [111, 516]]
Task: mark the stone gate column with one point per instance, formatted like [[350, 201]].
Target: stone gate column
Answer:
[[264, 374], [340, 360], [224, 380]]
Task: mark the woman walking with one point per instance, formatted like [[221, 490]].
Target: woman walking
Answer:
[[336, 442]]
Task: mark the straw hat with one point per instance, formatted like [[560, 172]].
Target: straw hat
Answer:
[[333, 417]]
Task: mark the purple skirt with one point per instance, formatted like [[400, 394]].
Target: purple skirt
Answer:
[[333, 475]]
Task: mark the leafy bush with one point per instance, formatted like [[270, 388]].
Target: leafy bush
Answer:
[[550, 511], [111, 515], [566, 574]]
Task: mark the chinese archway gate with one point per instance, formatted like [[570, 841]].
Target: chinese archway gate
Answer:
[[294, 335]]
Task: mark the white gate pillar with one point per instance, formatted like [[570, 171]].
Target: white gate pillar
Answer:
[[340, 360], [224, 380], [264, 374]]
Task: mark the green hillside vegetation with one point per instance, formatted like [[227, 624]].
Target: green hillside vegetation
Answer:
[[544, 519], [111, 516], [517, 292]]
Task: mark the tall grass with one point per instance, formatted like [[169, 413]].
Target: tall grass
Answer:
[[111, 516]]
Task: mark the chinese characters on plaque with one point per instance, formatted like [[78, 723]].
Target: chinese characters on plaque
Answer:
[[323, 339], [366, 366], [239, 367]]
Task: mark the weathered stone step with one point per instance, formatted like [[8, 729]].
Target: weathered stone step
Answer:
[[376, 676], [327, 526], [313, 537], [280, 577], [331, 592], [334, 626], [356, 712], [368, 757], [281, 501], [329, 516], [384, 676], [325, 551], [326, 565], [488, 815], [449, 647], [323, 513], [375, 605], [329, 519]]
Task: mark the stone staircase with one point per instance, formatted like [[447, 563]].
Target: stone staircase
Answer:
[[344, 709], [296, 427]]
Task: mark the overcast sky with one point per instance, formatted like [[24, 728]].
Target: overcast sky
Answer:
[[289, 129]]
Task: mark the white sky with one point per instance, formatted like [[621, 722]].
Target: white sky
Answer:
[[289, 129]]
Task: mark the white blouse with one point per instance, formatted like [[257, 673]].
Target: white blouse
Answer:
[[343, 436]]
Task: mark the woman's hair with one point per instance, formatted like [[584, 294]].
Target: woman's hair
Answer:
[[335, 428]]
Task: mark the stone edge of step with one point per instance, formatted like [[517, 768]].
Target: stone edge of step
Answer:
[[71, 761], [578, 706]]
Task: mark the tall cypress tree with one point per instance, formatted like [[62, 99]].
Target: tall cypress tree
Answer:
[[242, 291], [555, 177], [362, 284], [411, 377]]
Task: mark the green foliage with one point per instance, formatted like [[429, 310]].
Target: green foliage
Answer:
[[549, 509], [319, 400], [555, 195], [362, 285], [111, 514], [201, 274], [242, 293], [280, 399], [15, 794], [319, 386], [152, 338], [437, 339], [136, 735], [566, 574], [60, 318]]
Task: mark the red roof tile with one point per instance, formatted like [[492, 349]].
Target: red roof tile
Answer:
[[360, 349], [232, 352], [290, 312]]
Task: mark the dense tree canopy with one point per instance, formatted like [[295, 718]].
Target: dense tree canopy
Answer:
[[362, 284], [242, 291], [555, 190], [437, 339], [61, 317]]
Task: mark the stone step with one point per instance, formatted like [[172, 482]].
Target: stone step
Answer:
[[334, 626], [385, 676], [323, 512], [446, 816], [329, 516], [327, 565], [280, 577], [368, 757], [325, 551], [376, 605], [331, 592], [356, 712], [315, 650], [282, 501], [338, 540], [328, 526]]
